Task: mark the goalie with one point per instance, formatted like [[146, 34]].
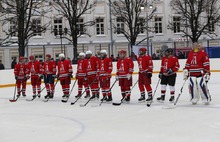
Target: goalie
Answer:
[[197, 71]]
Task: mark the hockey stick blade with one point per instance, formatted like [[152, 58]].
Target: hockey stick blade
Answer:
[[82, 105], [12, 100], [117, 104], [64, 101]]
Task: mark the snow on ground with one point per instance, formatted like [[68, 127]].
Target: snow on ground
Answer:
[[55, 121]]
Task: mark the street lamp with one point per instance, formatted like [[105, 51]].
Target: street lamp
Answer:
[[61, 33], [148, 17]]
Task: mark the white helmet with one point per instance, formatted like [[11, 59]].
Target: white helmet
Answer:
[[61, 55], [88, 52], [82, 54], [103, 52]]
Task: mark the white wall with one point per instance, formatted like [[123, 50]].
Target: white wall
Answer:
[[7, 77]]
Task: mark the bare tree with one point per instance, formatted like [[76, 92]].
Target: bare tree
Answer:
[[73, 11], [23, 17], [129, 12], [199, 16]]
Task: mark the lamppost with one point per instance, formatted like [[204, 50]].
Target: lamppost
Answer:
[[61, 33], [148, 17]]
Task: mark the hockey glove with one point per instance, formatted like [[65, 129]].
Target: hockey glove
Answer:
[[169, 71], [70, 75], [16, 78], [185, 74], [40, 76], [27, 77], [149, 75], [160, 75], [206, 77], [128, 76]]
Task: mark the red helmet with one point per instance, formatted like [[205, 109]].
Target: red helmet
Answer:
[[21, 58], [48, 55], [143, 49], [31, 57], [122, 51]]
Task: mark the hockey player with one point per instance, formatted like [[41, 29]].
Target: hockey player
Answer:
[[105, 70], [169, 67], [145, 65], [197, 69], [49, 72], [92, 64], [33, 69], [64, 74], [124, 73], [81, 76], [20, 76]]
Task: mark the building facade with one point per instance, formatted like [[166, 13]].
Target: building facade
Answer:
[[100, 34]]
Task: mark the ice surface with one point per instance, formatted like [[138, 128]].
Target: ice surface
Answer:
[[55, 121]]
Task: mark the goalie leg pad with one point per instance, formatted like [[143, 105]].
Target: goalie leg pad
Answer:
[[204, 91], [193, 88]]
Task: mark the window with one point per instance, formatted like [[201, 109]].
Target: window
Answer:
[[176, 24], [13, 29], [141, 25], [158, 25], [37, 27], [58, 26], [211, 26], [39, 57], [120, 25], [80, 27], [100, 30]]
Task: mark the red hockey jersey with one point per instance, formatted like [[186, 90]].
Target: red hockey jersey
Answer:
[[33, 68], [49, 67], [169, 63], [64, 69], [92, 65], [124, 67], [20, 70], [81, 68], [105, 67], [145, 64], [197, 62]]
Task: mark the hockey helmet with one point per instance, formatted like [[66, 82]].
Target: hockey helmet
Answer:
[[89, 52], [82, 54], [143, 49], [21, 58], [61, 55], [103, 52], [31, 57], [48, 55], [122, 52], [169, 50]]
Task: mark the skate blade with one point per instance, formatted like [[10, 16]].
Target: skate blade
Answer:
[[12, 100], [81, 105]]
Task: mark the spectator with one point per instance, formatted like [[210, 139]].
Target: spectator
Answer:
[[13, 63], [181, 55], [112, 58], [155, 57], [133, 56], [2, 67]]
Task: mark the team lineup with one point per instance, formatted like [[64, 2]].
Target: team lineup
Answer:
[[94, 74]]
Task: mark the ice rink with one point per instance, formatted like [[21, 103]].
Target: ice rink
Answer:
[[54, 121]]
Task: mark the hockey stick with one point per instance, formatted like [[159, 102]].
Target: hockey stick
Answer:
[[72, 103], [83, 105], [106, 95], [49, 96], [118, 104], [149, 104], [64, 101], [36, 95], [172, 106], [181, 91], [14, 100]]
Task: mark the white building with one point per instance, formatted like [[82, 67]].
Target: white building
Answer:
[[100, 35]]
